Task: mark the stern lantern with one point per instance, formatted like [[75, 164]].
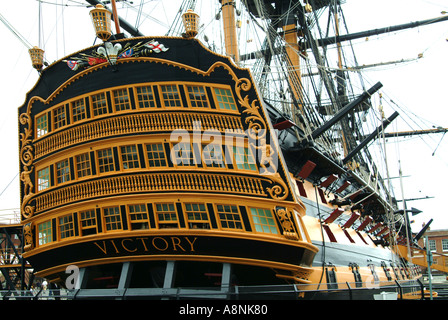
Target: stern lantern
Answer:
[[101, 22], [37, 58], [191, 21]]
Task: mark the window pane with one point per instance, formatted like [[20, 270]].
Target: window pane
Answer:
[[197, 96], [79, 110], [243, 158], [121, 100], [145, 97], [62, 171], [166, 215], [83, 165], [105, 160], [59, 117], [182, 154], [432, 245], [88, 222], [129, 156], [66, 227], [42, 125], [139, 216], [156, 155], [263, 220], [45, 234], [43, 179], [171, 96], [213, 156], [112, 218], [229, 216], [445, 244], [197, 216], [225, 99], [99, 104]]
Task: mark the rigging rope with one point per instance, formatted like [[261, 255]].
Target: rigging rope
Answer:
[[15, 32]]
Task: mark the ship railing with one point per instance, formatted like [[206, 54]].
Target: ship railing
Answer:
[[400, 290]]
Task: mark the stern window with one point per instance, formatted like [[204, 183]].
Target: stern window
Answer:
[[197, 216], [121, 100], [105, 160], [42, 125], [99, 104], [197, 96], [62, 171], [43, 179], [112, 218], [171, 96], [243, 158], [145, 97], [66, 226], [129, 157], [225, 99], [45, 234], [79, 110], [229, 216], [83, 165], [138, 215], [166, 215], [59, 117], [156, 155], [88, 222], [263, 220]]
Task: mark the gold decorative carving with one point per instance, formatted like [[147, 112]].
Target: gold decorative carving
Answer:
[[28, 236], [257, 134], [287, 224], [26, 158]]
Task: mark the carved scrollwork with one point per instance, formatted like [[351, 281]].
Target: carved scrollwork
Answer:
[[26, 159], [287, 224], [28, 236], [256, 123], [257, 139]]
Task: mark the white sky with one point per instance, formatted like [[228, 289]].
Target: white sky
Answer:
[[418, 88]]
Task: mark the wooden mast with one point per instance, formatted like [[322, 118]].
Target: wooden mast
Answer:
[[117, 23], [292, 48], [228, 12]]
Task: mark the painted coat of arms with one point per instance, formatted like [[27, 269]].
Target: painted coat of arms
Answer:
[[112, 52]]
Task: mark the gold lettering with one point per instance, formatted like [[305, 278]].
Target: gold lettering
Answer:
[[113, 243], [104, 247], [124, 247], [177, 243], [191, 243], [160, 249], [143, 242]]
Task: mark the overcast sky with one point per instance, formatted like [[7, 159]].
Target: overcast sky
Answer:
[[418, 89]]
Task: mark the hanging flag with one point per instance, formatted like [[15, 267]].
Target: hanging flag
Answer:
[[156, 46]]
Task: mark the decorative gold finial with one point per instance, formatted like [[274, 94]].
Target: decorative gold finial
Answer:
[[37, 58], [191, 21], [101, 22]]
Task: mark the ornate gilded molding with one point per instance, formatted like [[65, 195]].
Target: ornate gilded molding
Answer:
[[28, 236], [287, 224], [257, 133], [27, 158]]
